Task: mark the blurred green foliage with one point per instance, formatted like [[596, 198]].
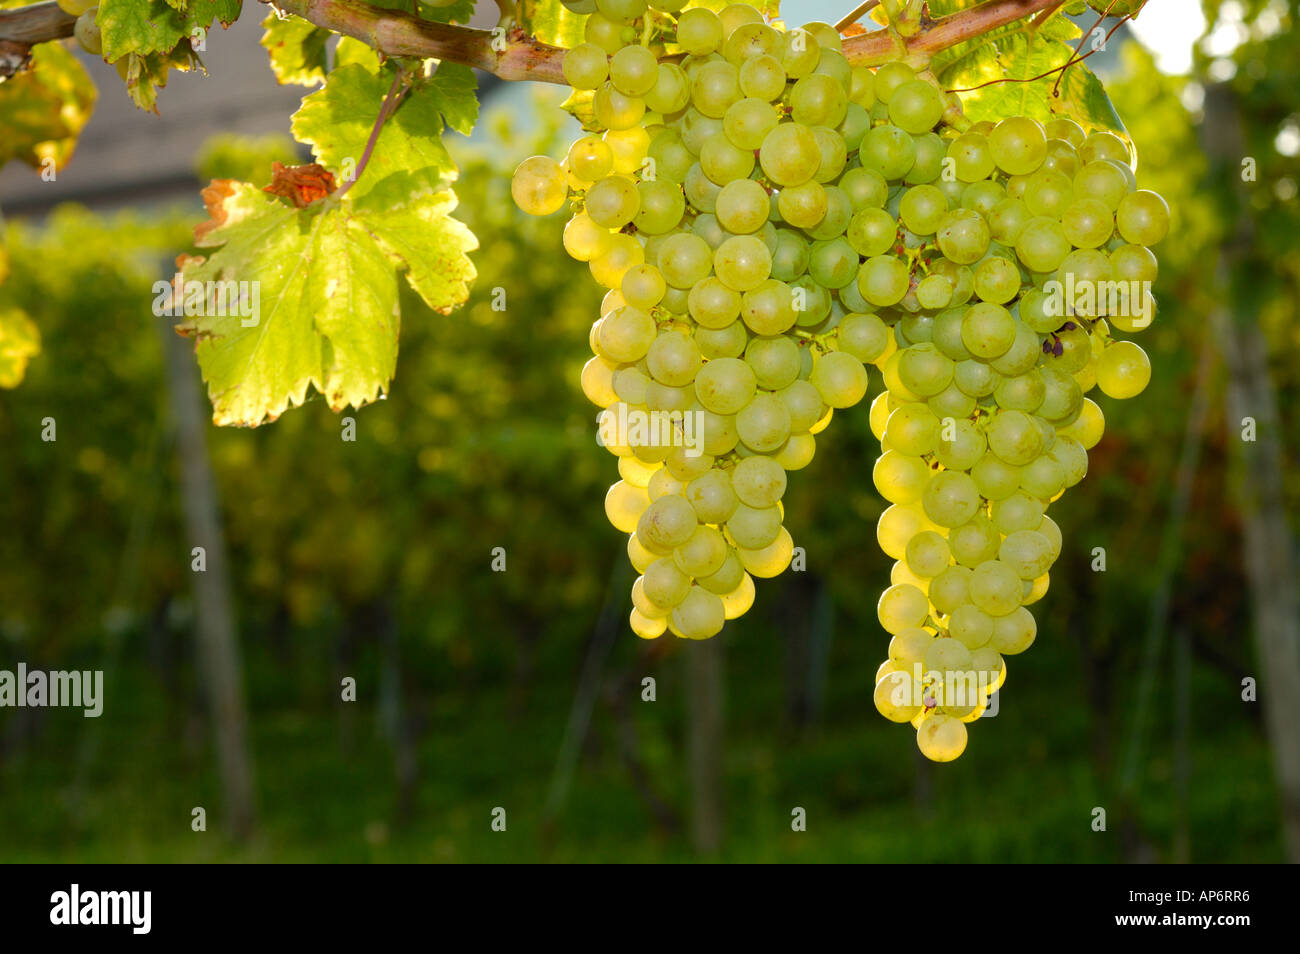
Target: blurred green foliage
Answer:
[[372, 557]]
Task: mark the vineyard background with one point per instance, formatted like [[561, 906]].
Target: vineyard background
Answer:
[[371, 559]]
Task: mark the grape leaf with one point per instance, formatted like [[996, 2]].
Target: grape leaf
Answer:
[[453, 91], [350, 50], [324, 282], [148, 73], [336, 122], [297, 49], [1021, 59], [19, 343], [43, 108], [552, 22], [1057, 28], [152, 26]]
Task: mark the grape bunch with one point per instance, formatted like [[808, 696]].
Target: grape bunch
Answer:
[[711, 197], [1008, 275]]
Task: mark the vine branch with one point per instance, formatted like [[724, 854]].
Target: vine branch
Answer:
[[519, 56]]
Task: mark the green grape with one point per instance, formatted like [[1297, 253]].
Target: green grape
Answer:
[[839, 212], [661, 206], [668, 523], [759, 482], [1087, 223], [856, 123], [946, 335], [883, 280], [804, 402], [1102, 181], [913, 429], [789, 155], [715, 87], [946, 655], [643, 286], [1018, 145], [818, 100], [701, 615], [673, 359], [792, 255], [803, 206], [624, 10], [864, 336], [742, 206], [995, 478], [747, 123], [916, 107], [901, 608], [1066, 129], [927, 554], [727, 577], [1042, 477], [934, 291], [1017, 511], [974, 542], [684, 259], [613, 202], [699, 31], [671, 157], [762, 78], [961, 447], [1021, 392], [922, 209], [997, 280], [769, 309], [1024, 353], [834, 154], [1142, 218], [539, 186], [590, 158], [951, 498], [1008, 219], [729, 341], [634, 70], [995, 589], [1062, 396], [1123, 370], [1134, 263], [972, 158], [916, 328], [663, 583], [888, 150], [697, 129], [971, 626], [671, 92], [754, 528], [764, 424], [723, 162], [742, 262], [924, 369], [1072, 458], [839, 378], [1014, 437], [713, 304], [87, 32], [950, 589], [703, 554], [983, 197], [771, 560], [614, 110], [833, 264], [1048, 193], [750, 41], [774, 361], [584, 239], [624, 252], [988, 330], [900, 478], [725, 385], [1042, 245], [626, 334], [963, 236], [866, 188], [701, 191], [1104, 145], [1015, 632]]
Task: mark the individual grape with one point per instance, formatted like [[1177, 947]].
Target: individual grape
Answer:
[[833, 264], [804, 402], [1027, 552], [725, 385], [1142, 218], [997, 280], [988, 330], [699, 31], [626, 334], [674, 359], [1014, 632], [900, 478], [771, 560], [893, 697], [950, 498], [834, 156], [703, 554], [913, 429], [1018, 511], [963, 236], [584, 239], [922, 209], [614, 110], [643, 286], [762, 78], [790, 155], [661, 205], [591, 158], [888, 150], [864, 336], [700, 615], [539, 185], [995, 589], [916, 107], [742, 262], [839, 378], [738, 602], [685, 259], [872, 232], [925, 370], [634, 70], [754, 527], [1042, 244], [1087, 223], [1018, 145], [1014, 437], [901, 608], [613, 202], [715, 87], [818, 100], [927, 554], [774, 361], [759, 481], [624, 252], [764, 425], [624, 504], [769, 308], [995, 478], [883, 280], [671, 91], [1123, 370], [803, 206], [1101, 181]]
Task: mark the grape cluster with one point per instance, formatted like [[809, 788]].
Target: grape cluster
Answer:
[[712, 197], [769, 220], [1008, 275]]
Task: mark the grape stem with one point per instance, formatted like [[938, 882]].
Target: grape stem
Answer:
[[396, 92], [857, 14], [522, 57]]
